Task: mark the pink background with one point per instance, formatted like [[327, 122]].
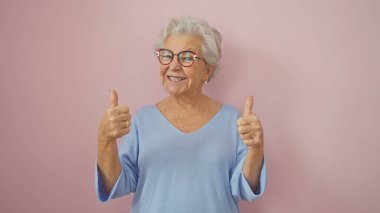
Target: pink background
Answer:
[[312, 66]]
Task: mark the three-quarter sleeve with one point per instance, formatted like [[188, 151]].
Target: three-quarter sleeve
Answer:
[[127, 180], [239, 185]]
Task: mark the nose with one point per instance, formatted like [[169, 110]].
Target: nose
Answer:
[[175, 65]]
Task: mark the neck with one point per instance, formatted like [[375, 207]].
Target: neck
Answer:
[[188, 101]]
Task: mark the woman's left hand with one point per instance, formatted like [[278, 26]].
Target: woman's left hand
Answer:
[[249, 127]]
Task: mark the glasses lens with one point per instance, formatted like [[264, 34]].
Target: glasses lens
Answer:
[[165, 56], [186, 58]]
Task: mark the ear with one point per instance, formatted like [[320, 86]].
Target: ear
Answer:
[[209, 71]]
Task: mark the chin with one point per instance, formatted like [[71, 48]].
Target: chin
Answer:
[[174, 93]]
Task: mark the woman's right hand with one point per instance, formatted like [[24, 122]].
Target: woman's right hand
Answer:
[[115, 122]]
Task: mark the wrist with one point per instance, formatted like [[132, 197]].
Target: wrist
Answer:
[[256, 148], [103, 138]]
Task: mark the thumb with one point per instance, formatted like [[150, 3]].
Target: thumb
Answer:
[[113, 98], [248, 105]]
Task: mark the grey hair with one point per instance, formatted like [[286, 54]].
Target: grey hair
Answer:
[[211, 37]]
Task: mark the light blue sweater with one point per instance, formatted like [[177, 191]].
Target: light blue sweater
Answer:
[[174, 172]]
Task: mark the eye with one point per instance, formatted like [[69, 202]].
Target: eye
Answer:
[[188, 59], [165, 54], [187, 56]]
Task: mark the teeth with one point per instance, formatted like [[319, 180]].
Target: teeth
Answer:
[[174, 78]]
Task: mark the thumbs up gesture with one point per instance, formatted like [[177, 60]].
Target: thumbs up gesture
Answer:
[[249, 126], [116, 120]]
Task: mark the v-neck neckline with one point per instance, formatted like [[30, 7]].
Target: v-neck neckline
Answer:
[[214, 117]]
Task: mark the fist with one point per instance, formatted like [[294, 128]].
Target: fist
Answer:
[[249, 126], [115, 121]]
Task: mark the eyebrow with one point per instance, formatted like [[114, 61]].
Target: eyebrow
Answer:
[[184, 49]]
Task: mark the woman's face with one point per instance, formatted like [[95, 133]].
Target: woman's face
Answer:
[[179, 80]]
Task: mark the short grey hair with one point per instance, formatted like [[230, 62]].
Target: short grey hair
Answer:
[[211, 37]]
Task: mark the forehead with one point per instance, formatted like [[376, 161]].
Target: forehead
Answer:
[[178, 43]]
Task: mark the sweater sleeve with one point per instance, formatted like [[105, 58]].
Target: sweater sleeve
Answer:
[[239, 185], [127, 180]]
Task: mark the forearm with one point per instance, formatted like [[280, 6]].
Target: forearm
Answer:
[[252, 167], [108, 163]]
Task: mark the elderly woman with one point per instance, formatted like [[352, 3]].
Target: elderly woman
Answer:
[[188, 152]]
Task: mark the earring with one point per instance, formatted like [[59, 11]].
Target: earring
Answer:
[[205, 82]]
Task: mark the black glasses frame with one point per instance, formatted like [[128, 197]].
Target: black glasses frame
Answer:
[[195, 57]]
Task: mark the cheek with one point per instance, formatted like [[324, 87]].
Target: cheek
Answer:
[[163, 70], [196, 74]]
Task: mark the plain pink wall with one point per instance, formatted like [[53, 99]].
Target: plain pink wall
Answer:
[[312, 66]]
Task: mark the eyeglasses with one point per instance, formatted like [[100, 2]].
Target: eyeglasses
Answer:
[[185, 58]]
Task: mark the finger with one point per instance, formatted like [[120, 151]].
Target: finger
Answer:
[[249, 141], [123, 132], [117, 133], [248, 105], [115, 112], [121, 109], [113, 98], [246, 136], [245, 120], [245, 129], [120, 118], [115, 128], [123, 129], [125, 117], [248, 120], [124, 124]]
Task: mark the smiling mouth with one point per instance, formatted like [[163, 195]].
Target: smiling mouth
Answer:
[[176, 78]]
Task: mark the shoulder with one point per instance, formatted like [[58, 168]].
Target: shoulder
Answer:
[[146, 108], [145, 111], [227, 113], [144, 116], [230, 110]]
